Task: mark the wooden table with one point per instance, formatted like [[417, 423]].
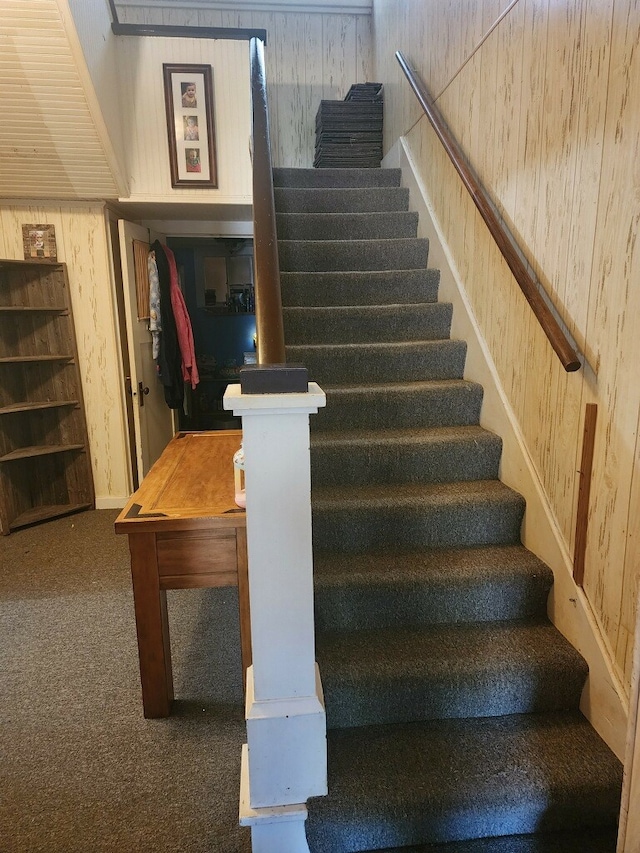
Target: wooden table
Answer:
[[185, 532]]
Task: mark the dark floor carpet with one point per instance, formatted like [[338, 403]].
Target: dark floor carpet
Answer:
[[80, 768]]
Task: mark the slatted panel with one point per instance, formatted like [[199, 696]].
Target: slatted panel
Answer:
[[545, 107], [612, 330], [49, 146]]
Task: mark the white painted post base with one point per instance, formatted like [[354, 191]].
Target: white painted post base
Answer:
[[279, 829], [285, 759], [287, 751]]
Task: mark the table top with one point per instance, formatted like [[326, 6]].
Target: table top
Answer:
[[190, 487]]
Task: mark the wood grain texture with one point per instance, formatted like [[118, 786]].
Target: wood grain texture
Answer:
[[142, 99], [210, 553], [152, 627], [545, 105], [308, 57], [81, 237], [49, 442], [612, 326], [509, 248], [629, 836], [183, 534], [192, 480]]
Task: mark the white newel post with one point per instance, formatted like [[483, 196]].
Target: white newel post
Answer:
[[285, 759]]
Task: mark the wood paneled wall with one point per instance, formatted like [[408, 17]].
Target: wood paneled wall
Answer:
[[544, 105], [308, 56], [82, 244], [145, 124]]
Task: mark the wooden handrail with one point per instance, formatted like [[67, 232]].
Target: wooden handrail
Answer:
[[506, 242], [269, 325]]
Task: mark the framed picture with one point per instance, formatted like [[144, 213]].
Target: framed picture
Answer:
[[188, 94], [39, 241]]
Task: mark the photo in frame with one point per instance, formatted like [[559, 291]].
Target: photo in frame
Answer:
[[188, 93], [39, 241]]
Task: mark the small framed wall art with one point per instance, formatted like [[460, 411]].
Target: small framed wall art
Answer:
[[39, 241], [188, 94]]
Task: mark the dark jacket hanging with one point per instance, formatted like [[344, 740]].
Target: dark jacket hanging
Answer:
[[169, 358]]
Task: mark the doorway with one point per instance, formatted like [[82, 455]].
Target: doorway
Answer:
[[217, 280]]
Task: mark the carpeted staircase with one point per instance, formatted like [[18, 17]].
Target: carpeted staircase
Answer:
[[452, 702]]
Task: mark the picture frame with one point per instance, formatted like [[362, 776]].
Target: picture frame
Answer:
[[39, 242], [188, 92]]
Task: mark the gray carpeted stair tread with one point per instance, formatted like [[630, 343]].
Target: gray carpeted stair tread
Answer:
[[372, 287], [356, 200], [412, 496], [480, 512], [458, 779], [372, 363], [367, 324], [346, 255], [406, 437], [427, 587], [346, 226], [426, 603], [322, 178], [404, 405], [397, 675], [592, 841], [443, 454]]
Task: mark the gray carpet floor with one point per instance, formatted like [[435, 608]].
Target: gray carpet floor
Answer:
[[80, 767]]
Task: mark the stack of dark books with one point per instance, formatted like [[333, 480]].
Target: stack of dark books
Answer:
[[349, 132]]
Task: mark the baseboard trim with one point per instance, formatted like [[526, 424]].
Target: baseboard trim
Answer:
[[112, 502]]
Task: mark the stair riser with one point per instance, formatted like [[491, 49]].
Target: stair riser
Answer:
[[389, 409], [344, 255], [346, 226], [361, 528], [327, 178], [431, 462], [410, 287], [364, 606], [341, 200], [593, 841], [491, 693], [394, 324], [441, 360]]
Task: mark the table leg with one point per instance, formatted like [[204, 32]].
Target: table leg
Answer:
[[243, 600], [152, 626]]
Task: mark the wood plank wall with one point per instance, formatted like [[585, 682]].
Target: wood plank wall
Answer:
[[82, 244], [545, 104], [144, 119], [308, 56]]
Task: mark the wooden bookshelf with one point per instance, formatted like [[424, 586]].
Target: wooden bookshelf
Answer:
[[45, 467]]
